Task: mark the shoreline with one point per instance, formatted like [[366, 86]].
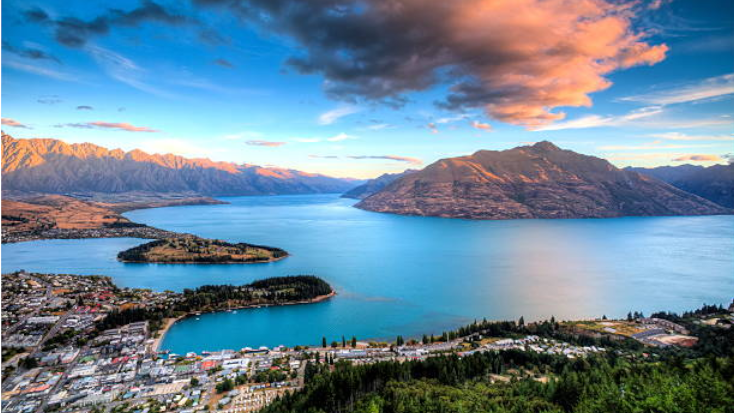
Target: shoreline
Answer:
[[136, 230], [205, 263], [171, 321]]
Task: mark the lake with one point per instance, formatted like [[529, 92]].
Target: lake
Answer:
[[413, 275]]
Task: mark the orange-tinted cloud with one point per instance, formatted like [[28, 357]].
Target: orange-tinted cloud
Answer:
[[698, 158], [517, 59], [121, 126], [481, 126], [14, 123], [269, 144]]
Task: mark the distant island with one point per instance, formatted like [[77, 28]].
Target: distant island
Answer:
[[536, 181], [195, 250]]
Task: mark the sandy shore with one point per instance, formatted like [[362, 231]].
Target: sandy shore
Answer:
[[169, 322]]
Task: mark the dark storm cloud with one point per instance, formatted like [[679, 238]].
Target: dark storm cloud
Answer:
[[499, 55], [29, 52], [75, 32]]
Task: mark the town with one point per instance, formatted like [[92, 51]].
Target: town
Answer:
[[58, 356]]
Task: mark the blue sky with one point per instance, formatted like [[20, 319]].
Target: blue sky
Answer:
[[243, 82]]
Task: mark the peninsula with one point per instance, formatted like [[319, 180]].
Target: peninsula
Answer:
[[195, 250]]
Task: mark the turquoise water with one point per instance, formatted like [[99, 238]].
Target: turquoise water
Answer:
[[414, 275]]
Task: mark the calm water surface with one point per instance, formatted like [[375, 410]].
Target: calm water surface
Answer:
[[413, 275]]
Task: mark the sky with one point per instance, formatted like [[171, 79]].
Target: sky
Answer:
[[357, 88]]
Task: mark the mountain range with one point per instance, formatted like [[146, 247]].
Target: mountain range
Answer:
[[55, 167], [715, 183], [538, 181], [375, 185]]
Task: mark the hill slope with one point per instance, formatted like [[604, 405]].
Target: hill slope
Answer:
[[52, 166], [539, 181], [715, 183], [374, 185]]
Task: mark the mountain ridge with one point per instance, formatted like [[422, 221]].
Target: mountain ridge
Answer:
[[715, 183], [538, 181], [53, 166]]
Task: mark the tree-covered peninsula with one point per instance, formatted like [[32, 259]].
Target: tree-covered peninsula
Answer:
[[293, 289], [195, 250]]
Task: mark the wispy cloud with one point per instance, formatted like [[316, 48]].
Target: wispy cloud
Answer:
[[107, 125], [698, 158], [84, 107], [380, 126], [412, 161], [269, 144], [327, 118], [336, 138], [33, 53], [595, 121], [124, 70], [37, 70], [243, 135], [223, 63], [677, 136], [49, 100], [14, 123], [651, 145], [340, 137], [704, 89]]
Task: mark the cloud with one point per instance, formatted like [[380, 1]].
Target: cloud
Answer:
[[29, 52], [49, 100], [651, 145], [224, 63], [75, 32], [432, 127], [336, 138], [481, 126], [269, 144], [327, 118], [412, 161], [380, 126], [340, 137], [84, 107], [106, 125], [451, 119], [595, 121], [698, 158], [243, 135], [513, 58], [704, 89], [677, 136], [37, 70], [14, 123], [124, 70]]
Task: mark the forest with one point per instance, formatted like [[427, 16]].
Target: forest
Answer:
[[625, 378]]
